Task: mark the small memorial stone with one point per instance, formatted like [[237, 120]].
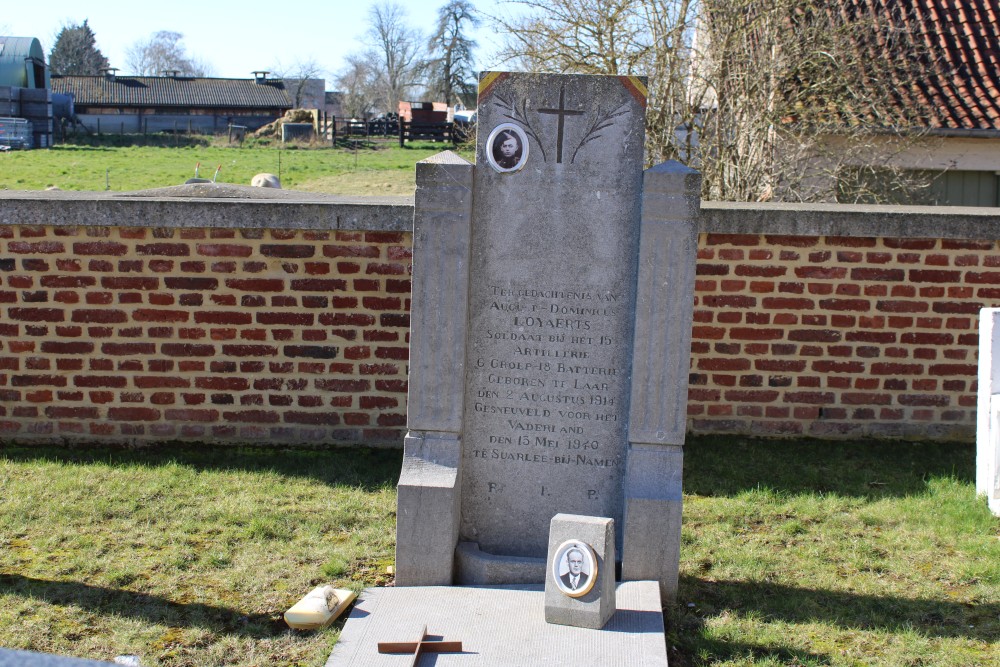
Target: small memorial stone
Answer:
[[580, 577]]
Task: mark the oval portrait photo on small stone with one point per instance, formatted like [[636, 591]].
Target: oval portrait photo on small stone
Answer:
[[507, 148], [574, 568]]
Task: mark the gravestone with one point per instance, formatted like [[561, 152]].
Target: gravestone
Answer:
[[550, 337], [988, 409]]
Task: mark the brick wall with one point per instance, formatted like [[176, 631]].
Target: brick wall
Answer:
[[838, 335], [132, 320], [136, 334]]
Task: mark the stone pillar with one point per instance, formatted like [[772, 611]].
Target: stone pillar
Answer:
[[988, 409], [660, 365], [428, 506]]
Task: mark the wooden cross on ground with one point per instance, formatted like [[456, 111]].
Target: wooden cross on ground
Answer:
[[421, 646]]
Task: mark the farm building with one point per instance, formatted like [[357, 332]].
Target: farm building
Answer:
[[134, 104], [25, 98]]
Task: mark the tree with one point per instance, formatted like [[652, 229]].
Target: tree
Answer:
[[300, 78], [357, 81], [747, 92], [394, 54], [451, 73], [163, 52], [75, 52]]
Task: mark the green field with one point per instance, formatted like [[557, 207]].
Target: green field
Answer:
[[370, 169], [793, 553]]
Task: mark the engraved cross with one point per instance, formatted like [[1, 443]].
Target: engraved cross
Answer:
[[562, 112]]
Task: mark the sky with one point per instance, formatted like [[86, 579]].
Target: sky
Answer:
[[235, 38]]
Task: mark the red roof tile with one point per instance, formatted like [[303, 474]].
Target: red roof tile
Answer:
[[957, 69]]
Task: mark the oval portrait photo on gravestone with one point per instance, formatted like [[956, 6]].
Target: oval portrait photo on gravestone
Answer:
[[574, 568], [507, 148]]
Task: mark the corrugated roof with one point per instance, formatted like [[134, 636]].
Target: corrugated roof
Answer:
[[165, 91]]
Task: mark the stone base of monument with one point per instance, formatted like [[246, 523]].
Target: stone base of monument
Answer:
[[478, 568], [502, 625]]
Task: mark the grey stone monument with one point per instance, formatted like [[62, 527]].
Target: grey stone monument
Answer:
[[550, 337], [580, 577], [988, 409]]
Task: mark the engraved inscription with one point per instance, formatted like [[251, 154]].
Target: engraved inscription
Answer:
[[546, 390]]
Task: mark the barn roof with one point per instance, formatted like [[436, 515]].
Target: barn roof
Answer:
[[168, 91]]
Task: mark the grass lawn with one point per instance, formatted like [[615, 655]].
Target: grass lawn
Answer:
[[794, 553], [378, 169]]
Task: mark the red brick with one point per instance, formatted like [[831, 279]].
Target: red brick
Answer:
[[253, 416], [909, 244], [794, 241], [921, 338], [821, 272], [256, 284], [399, 353], [712, 270], [319, 285], [340, 385], [286, 318], [93, 381], [222, 383], [868, 273], [37, 314], [882, 368], [857, 305], [378, 369], [922, 400], [68, 282], [297, 417], [810, 397], [155, 315], [723, 364], [223, 317], [755, 271], [953, 369], [399, 252], [787, 303], [902, 306], [966, 244], [934, 276], [164, 249], [377, 402], [732, 239], [35, 248], [350, 251], [68, 412], [815, 335], [851, 241], [188, 350], [287, 251], [755, 333], [828, 366], [75, 347], [382, 269], [142, 284], [347, 319], [133, 414], [366, 285], [961, 308], [399, 386]]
